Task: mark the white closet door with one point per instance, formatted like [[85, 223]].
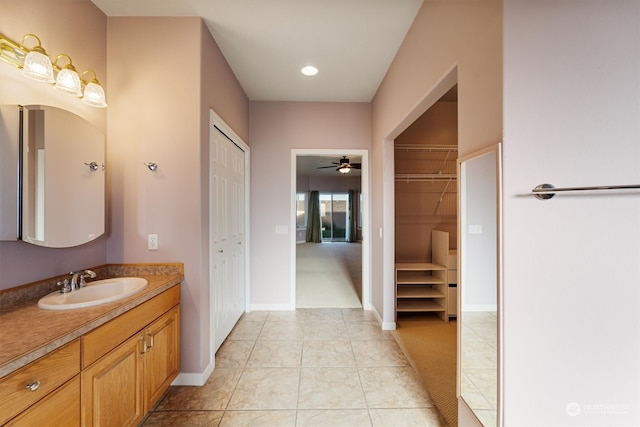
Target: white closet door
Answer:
[[227, 234]]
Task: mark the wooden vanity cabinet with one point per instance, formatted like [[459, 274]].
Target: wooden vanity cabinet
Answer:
[[126, 379]]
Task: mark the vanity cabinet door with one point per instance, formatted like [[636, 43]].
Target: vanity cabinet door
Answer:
[[162, 359], [112, 387]]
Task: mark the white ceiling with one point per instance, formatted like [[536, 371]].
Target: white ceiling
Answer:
[[266, 42]]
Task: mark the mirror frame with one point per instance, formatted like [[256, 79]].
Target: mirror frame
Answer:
[[462, 251]]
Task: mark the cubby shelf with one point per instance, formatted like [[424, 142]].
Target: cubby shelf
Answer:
[[422, 287]]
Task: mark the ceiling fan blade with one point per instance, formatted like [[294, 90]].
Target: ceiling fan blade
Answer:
[[325, 167], [356, 165]]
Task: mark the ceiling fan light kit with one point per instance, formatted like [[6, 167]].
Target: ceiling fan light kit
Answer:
[[343, 166]]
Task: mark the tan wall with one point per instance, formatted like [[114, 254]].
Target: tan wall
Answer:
[[463, 38], [77, 28]]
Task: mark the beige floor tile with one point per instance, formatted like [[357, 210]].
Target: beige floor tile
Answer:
[[319, 314], [245, 330], [266, 388], [423, 417], [335, 353], [393, 387], [214, 395], [234, 354], [330, 388], [183, 419], [358, 315], [281, 418], [324, 330], [367, 330], [372, 353], [255, 316], [333, 418], [284, 316], [276, 354], [283, 331]]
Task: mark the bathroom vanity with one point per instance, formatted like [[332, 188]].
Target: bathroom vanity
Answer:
[[106, 364]]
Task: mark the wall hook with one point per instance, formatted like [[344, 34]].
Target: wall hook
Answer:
[[151, 165]]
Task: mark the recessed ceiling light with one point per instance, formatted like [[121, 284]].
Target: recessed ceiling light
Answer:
[[309, 70]]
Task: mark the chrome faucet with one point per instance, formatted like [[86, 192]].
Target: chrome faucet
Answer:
[[78, 278]]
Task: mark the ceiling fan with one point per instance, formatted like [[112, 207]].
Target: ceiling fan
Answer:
[[344, 166]]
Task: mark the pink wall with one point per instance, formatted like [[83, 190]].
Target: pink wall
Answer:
[[275, 129], [462, 38], [154, 117], [77, 28]]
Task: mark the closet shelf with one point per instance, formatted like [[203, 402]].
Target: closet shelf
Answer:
[[425, 147], [412, 306], [412, 177]]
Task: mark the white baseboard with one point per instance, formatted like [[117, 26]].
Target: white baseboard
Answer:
[[189, 378], [386, 326]]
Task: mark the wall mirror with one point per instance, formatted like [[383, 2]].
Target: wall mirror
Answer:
[[60, 183], [479, 303]]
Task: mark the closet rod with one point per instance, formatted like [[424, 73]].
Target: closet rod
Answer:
[[416, 147], [547, 191], [425, 176]]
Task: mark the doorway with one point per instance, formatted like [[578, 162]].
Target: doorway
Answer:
[[335, 199]]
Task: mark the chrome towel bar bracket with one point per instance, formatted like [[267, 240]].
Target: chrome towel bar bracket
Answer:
[[547, 191]]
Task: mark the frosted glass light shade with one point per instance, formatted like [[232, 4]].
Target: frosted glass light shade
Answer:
[[68, 82], [94, 95], [37, 66]]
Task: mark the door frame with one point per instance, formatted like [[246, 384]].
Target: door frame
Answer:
[[216, 120], [366, 217]]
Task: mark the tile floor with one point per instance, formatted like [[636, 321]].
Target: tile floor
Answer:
[[311, 367]]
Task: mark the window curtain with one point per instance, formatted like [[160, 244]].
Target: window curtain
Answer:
[[314, 231], [353, 216]]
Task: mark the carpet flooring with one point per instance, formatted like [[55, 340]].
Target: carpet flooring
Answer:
[[328, 275], [430, 345]]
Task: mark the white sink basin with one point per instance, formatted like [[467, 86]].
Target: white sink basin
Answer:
[[94, 293]]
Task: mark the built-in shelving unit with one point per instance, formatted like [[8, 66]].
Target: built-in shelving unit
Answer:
[[422, 287]]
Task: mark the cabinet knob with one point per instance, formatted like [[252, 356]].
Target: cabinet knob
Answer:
[[33, 386]]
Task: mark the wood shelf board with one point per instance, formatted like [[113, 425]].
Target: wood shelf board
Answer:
[[411, 291], [424, 266], [405, 306], [420, 280]]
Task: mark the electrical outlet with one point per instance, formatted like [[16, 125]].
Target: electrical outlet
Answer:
[[152, 242]]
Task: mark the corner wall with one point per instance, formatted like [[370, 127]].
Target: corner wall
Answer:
[[154, 118]]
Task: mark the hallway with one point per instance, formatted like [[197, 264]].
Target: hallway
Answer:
[[311, 367]]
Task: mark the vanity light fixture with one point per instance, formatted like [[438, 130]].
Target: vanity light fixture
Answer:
[[93, 92], [68, 80], [309, 70], [36, 64]]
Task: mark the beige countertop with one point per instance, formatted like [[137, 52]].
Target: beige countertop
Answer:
[[28, 332]]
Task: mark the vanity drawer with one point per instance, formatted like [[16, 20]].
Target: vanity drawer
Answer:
[[60, 408], [102, 340], [51, 371]]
